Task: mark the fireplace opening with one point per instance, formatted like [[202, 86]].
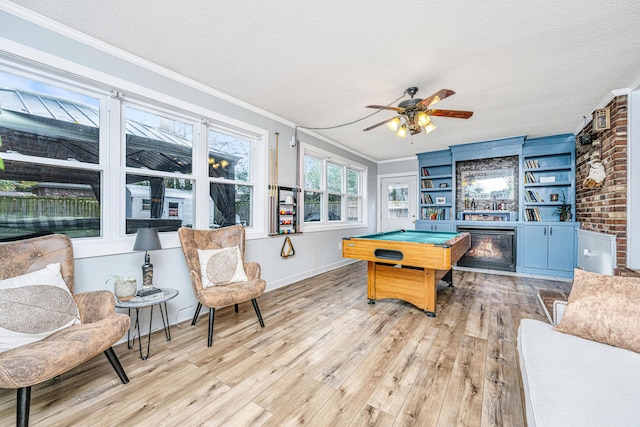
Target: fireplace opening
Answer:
[[491, 248]]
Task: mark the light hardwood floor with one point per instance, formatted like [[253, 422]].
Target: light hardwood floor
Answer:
[[325, 358]]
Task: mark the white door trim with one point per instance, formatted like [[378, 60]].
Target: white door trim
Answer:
[[379, 195]]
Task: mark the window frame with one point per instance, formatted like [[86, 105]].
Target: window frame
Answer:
[[112, 154], [256, 168], [327, 158]]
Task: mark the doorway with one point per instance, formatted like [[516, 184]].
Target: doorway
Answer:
[[398, 202]]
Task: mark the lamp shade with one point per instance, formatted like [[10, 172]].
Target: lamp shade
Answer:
[[147, 239]]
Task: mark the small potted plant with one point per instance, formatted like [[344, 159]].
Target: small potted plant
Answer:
[[124, 287], [564, 209]]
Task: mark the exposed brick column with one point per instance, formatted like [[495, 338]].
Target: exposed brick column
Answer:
[[604, 209]]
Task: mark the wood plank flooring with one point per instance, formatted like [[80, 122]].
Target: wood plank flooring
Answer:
[[325, 358]]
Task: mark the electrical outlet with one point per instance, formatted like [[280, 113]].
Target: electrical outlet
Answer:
[[340, 245]]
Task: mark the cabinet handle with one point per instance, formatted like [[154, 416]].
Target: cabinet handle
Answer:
[[550, 231], [545, 231]]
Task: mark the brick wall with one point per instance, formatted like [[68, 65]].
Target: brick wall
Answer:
[[604, 209]]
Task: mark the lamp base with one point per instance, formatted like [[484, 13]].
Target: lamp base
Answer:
[[146, 292]]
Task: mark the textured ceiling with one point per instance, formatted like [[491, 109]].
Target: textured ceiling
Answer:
[[525, 68]]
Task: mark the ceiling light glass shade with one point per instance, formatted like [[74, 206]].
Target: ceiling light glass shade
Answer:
[[423, 119], [394, 124], [402, 132], [429, 128]]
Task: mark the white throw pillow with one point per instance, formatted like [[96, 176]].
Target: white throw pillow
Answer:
[[34, 306], [221, 266]]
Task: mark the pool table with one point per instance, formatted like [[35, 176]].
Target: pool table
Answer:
[[407, 264]]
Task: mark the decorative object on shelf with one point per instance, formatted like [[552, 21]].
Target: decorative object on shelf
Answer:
[[564, 210], [597, 174], [444, 185], [553, 197], [601, 119], [415, 114], [287, 248], [147, 240], [441, 200], [124, 288]]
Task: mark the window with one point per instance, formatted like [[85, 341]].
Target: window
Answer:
[[333, 189], [232, 178], [158, 142], [53, 173]]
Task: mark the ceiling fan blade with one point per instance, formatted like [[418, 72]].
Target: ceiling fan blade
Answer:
[[384, 107], [438, 96], [378, 124], [456, 114]]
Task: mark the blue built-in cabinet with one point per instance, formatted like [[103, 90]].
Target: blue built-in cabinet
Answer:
[[436, 191], [546, 180]]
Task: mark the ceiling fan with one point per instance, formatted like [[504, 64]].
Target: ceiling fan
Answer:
[[415, 113]]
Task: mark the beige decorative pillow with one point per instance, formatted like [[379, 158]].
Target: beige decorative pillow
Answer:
[[34, 306], [221, 266], [605, 309]]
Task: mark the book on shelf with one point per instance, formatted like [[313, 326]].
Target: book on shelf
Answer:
[[532, 164], [529, 178], [425, 172], [426, 199], [532, 196], [426, 183], [533, 214]]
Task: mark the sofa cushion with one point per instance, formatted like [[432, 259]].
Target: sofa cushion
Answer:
[[221, 266], [570, 381], [34, 306], [601, 308]]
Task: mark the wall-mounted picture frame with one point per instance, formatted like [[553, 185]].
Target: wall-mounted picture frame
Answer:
[[601, 119], [441, 200]]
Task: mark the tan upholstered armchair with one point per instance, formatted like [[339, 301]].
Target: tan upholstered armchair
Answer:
[[98, 329], [221, 295]]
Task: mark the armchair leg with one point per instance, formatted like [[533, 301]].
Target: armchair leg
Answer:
[[196, 314], [257, 309], [212, 312], [24, 402], [113, 359]]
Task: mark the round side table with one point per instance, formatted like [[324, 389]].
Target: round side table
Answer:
[[139, 303]]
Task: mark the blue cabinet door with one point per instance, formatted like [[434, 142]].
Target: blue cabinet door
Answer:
[[561, 247], [535, 246], [434, 225]]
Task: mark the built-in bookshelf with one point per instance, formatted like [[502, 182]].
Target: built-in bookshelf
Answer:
[[548, 181], [436, 193]]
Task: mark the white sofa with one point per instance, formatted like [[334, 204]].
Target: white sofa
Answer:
[[571, 381]]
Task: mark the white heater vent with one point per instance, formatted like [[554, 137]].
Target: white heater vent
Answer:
[[596, 252]]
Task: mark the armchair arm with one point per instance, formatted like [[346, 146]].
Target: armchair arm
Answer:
[[558, 310], [95, 305], [252, 269]]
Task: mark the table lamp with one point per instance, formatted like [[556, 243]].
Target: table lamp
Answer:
[[147, 240]]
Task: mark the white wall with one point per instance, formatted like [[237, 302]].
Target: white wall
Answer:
[[314, 252]]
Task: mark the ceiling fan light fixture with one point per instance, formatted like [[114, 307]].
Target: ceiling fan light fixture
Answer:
[[429, 128], [402, 131], [394, 124], [423, 119]]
